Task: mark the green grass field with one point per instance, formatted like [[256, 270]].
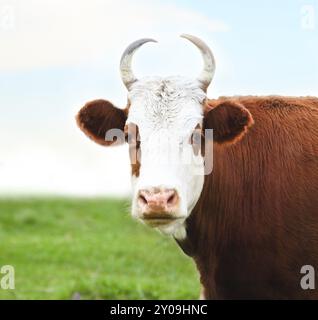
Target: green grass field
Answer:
[[91, 248]]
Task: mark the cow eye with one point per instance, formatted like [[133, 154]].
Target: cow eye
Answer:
[[196, 135], [196, 139], [129, 138], [133, 140], [132, 134]]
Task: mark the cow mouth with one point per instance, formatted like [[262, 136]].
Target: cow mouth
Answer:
[[159, 219]]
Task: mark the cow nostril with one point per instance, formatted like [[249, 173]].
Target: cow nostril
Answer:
[[160, 200], [172, 199], [142, 199]]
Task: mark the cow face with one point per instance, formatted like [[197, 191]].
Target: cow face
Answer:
[[164, 124], [165, 118]]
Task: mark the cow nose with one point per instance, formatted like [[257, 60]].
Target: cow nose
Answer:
[[157, 200]]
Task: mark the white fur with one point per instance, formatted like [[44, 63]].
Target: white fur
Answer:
[[202, 296], [166, 111]]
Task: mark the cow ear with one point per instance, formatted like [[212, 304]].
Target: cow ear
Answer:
[[228, 119], [102, 122]]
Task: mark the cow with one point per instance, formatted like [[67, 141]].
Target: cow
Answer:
[[247, 213]]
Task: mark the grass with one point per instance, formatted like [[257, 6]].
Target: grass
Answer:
[[89, 248]]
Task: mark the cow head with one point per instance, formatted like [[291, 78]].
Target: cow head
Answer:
[[165, 122]]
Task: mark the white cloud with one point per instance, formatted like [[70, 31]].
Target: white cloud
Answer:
[[58, 32]]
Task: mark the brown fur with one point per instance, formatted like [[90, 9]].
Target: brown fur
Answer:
[[256, 222], [135, 168], [132, 132]]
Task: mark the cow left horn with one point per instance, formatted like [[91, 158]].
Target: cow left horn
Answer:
[[207, 73], [127, 74]]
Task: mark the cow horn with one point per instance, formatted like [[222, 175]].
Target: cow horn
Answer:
[[127, 74], [207, 73]]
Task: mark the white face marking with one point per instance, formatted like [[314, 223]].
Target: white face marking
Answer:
[[166, 111]]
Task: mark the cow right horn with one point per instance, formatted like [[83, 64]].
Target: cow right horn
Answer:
[[207, 73]]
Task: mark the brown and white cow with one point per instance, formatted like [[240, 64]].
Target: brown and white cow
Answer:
[[251, 223]]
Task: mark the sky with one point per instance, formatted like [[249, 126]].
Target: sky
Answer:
[[56, 55]]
